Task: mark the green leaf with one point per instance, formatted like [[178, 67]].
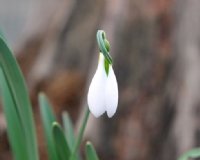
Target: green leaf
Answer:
[[90, 152], [2, 36], [62, 147], [14, 126], [80, 134], [69, 132], [47, 119], [19, 94], [194, 153], [68, 129]]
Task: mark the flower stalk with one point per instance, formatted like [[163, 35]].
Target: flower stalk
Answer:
[[104, 45]]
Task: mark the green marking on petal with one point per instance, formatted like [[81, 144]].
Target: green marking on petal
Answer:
[[106, 65]]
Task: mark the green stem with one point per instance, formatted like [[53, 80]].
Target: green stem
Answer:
[[80, 135]]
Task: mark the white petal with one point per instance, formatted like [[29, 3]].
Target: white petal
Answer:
[[111, 93], [96, 93]]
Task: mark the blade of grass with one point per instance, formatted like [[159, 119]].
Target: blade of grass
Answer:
[[19, 94], [194, 153], [14, 127], [90, 152], [62, 147], [68, 129], [47, 119]]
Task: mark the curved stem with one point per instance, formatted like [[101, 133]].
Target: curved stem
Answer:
[[104, 45]]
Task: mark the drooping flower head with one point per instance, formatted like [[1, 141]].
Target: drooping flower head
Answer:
[[103, 90]]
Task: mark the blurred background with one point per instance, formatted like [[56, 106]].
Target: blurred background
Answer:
[[155, 48]]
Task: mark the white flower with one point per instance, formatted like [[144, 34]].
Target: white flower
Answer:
[[103, 91]]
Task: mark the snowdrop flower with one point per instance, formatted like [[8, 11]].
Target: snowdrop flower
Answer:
[[103, 90]]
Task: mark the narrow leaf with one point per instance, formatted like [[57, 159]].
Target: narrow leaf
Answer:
[[194, 153], [2, 36], [19, 94], [69, 132], [90, 152], [68, 129], [62, 147], [47, 119], [14, 127]]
